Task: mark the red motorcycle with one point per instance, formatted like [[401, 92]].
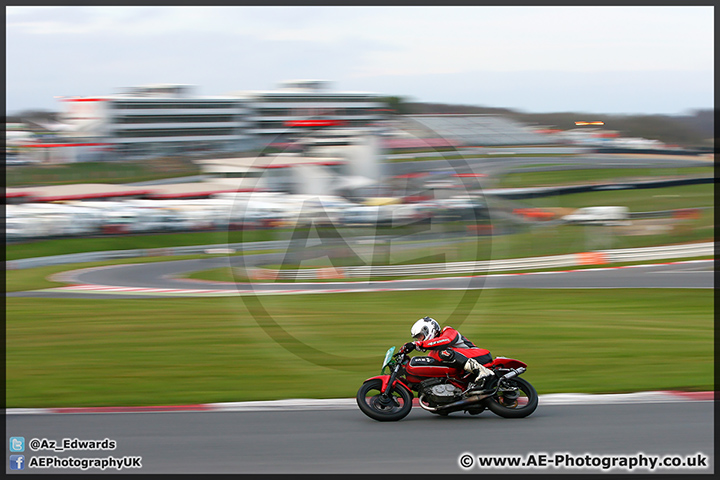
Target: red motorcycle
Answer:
[[442, 390]]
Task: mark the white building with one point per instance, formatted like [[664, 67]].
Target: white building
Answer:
[[156, 120], [300, 107], [169, 119]]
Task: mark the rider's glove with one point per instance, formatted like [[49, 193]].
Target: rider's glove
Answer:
[[409, 347]]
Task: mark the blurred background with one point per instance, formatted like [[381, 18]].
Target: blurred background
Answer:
[[405, 160]]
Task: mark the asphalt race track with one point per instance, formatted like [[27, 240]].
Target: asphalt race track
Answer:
[[343, 440], [340, 439], [158, 279]]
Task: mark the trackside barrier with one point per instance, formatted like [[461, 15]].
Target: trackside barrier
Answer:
[[365, 271], [665, 251], [556, 261], [591, 258], [146, 252]]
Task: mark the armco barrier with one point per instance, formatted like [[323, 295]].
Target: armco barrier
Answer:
[[533, 263], [366, 271], [665, 251], [536, 192], [112, 254]]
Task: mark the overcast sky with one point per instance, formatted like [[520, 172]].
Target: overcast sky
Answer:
[[534, 59]]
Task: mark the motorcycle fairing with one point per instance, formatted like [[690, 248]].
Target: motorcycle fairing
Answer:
[[504, 362], [430, 367]]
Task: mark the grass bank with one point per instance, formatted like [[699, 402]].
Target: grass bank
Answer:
[[69, 352], [519, 179], [62, 246], [100, 172]]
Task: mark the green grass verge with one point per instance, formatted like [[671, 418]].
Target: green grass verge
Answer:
[[68, 352], [637, 200], [518, 179], [62, 246], [100, 172]]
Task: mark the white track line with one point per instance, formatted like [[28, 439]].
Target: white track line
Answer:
[[350, 403]]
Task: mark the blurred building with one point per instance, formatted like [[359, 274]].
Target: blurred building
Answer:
[[588, 136], [157, 120], [170, 119], [16, 135], [299, 108], [464, 130]]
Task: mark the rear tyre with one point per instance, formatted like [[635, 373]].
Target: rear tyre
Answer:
[[515, 398], [376, 405]]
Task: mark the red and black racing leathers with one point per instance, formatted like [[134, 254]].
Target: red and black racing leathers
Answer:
[[450, 347]]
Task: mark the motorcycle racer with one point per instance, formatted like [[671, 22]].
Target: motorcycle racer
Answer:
[[451, 348]]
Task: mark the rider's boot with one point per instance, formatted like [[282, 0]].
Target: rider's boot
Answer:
[[485, 379]]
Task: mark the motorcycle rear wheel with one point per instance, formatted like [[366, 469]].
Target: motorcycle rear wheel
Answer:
[[521, 407], [375, 405]]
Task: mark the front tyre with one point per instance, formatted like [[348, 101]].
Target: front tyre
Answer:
[[515, 398], [376, 405]]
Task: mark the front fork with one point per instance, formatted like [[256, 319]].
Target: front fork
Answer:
[[391, 381]]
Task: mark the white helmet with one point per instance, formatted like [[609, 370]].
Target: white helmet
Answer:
[[427, 327]]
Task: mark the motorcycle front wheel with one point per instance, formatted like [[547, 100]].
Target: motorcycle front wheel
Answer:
[[383, 408], [515, 398]]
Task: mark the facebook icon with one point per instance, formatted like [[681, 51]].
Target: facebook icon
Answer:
[[17, 462]]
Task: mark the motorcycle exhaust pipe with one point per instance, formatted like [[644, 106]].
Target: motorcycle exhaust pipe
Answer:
[[460, 404], [469, 400], [425, 407], [472, 400], [513, 373]]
